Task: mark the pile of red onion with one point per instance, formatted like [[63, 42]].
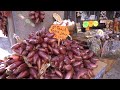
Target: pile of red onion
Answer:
[[3, 21], [37, 16], [40, 57]]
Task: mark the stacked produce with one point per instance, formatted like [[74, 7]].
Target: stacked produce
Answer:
[[3, 22], [40, 57], [37, 16]]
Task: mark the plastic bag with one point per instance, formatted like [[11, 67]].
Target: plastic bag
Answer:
[[111, 49], [95, 45]]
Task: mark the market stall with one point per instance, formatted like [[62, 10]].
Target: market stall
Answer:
[[47, 45]]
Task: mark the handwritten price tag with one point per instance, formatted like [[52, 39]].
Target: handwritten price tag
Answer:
[[61, 32]]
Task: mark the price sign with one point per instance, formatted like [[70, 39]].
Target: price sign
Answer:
[[90, 23], [61, 32], [95, 23], [85, 24]]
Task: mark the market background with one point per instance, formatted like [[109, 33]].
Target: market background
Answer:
[[23, 29]]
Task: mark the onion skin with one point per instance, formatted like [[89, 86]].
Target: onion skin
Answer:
[[15, 57], [33, 41], [90, 54], [87, 51], [46, 39], [3, 76], [56, 64], [38, 46], [69, 75], [55, 77], [81, 72], [62, 50], [96, 59], [72, 60], [40, 40], [44, 45], [9, 72], [11, 77], [90, 65], [49, 48], [59, 73], [26, 42], [77, 68], [67, 60], [56, 58], [15, 64], [66, 43], [76, 52], [9, 61], [78, 57], [52, 40], [49, 35], [67, 67], [82, 54], [29, 47], [17, 51], [43, 55], [77, 63], [23, 45], [85, 77], [61, 65], [19, 69], [31, 54], [52, 75], [68, 48], [39, 63], [85, 57], [35, 58], [81, 47], [30, 60], [23, 74], [15, 46], [2, 70], [34, 72], [31, 77], [20, 50], [70, 55], [93, 61], [61, 57], [74, 46], [56, 51], [91, 73], [42, 49], [25, 53]]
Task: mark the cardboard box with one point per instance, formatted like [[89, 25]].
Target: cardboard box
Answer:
[[100, 70]]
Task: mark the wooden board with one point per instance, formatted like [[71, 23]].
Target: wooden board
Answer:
[[110, 63], [100, 70]]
